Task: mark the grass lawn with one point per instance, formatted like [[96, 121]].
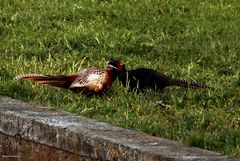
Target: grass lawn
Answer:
[[193, 40]]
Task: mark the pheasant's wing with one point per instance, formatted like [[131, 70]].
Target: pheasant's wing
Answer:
[[88, 77], [87, 70]]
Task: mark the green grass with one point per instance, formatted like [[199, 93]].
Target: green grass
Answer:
[[193, 40]]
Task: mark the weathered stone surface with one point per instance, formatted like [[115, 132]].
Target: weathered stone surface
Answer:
[[48, 133], [18, 149]]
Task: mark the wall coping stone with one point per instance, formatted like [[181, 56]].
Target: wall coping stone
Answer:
[[90, 138]]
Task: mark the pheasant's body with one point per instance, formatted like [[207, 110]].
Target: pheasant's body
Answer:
[[87, 81], [142, 78]]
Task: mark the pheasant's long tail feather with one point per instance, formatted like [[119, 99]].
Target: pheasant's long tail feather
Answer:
[[186, 84], [56, 80]]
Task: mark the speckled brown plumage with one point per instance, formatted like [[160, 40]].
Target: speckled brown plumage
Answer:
[[87, 81]]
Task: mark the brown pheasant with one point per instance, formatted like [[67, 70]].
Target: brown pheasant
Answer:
[[87, 81]]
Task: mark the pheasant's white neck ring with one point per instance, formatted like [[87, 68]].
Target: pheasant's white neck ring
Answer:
[[109, 65]]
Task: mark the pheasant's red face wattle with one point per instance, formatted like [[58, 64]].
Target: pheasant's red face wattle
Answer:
[[119, 65]]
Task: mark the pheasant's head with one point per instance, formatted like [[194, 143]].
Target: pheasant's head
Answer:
[[116, 64], [121, 70]]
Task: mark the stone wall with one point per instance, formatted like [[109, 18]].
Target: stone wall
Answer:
[[33, 133], [14, 148]]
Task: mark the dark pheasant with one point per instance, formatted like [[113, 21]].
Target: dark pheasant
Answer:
[[142, 78], [87, 81]]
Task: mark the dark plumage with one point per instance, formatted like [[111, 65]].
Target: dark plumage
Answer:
[[142, 78]]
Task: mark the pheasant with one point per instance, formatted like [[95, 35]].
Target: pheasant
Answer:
[[87, 81], [142, 78]]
